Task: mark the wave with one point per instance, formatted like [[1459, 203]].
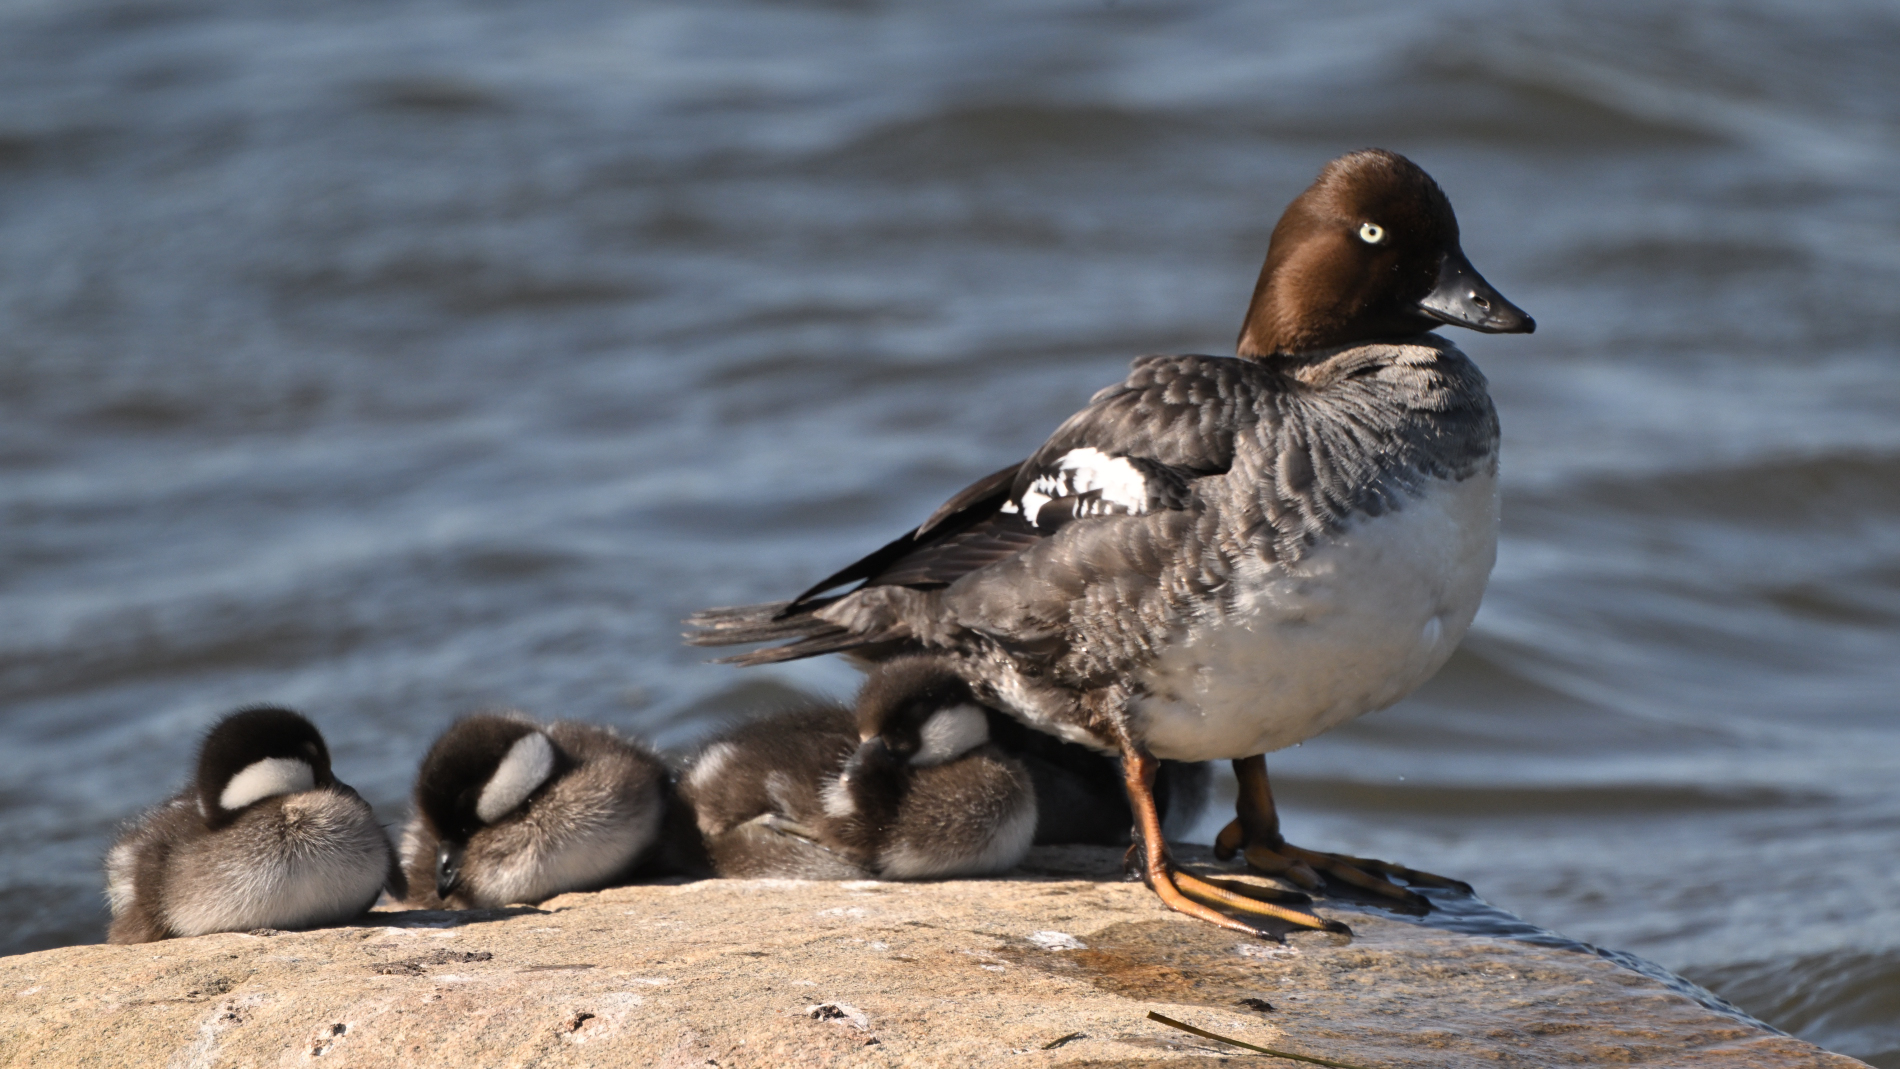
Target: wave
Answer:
[[1484, 801], [1804, 495], [1843, 1000]]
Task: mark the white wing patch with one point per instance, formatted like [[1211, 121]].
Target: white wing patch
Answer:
[[951, 733], [837, 799], [528, 764], [711, 765], [1119, 486], [267, 778], [121, 865]]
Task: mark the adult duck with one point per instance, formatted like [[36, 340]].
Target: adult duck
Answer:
[[1222, 556]]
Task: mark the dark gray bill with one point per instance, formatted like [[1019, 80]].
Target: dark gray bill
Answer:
[[872, 753], [448, 868], [1464, 299]]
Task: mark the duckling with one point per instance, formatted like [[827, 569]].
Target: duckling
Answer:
[[926, 795], [755, 793], [1079, 794], [508, 810], [907, 787], [265, 837]]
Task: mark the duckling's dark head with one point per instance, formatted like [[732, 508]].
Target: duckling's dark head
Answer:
[[258, 753], [920, 712], [483, 769], [1369, 251]]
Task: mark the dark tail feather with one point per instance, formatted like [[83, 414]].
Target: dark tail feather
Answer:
[[724, 617], [829, 642], [749, 623], [737, 626]]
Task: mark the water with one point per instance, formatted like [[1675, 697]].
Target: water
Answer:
[[390, 360]]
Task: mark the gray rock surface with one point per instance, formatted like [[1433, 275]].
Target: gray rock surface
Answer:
[[1058, 965]]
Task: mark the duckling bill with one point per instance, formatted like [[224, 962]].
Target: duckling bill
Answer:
[[509, 810], [265, 837]]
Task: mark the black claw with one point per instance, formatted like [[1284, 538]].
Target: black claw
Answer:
[[1432, 879]]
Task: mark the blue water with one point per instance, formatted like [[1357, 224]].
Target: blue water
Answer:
[[395, 359]]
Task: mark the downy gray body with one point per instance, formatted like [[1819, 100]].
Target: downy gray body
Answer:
[[508, 810], [906, 787], [266, 838]]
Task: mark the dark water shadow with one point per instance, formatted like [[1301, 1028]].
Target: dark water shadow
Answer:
[[1451, 911], [1472, 915], [441, 918]]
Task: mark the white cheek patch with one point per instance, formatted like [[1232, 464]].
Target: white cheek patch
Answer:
[[266, 779], [529, 763], [951, 733], [1121, 485]]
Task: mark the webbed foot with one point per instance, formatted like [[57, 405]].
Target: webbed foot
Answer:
[[1255, 835], [1209, 899]]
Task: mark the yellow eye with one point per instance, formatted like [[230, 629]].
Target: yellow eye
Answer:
[[1371, 233]]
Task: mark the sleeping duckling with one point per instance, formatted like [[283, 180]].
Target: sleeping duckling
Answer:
[[265, 837], [907, 787], [508, 810], [750, 788], [1079, 793]]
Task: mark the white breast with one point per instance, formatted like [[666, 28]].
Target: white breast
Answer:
[[319, 859], [1354, 626]]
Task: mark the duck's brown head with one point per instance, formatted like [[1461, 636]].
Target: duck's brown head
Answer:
[[1369, 251]]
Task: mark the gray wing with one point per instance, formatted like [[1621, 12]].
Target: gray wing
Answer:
[[1135, 451], [1137, 448]]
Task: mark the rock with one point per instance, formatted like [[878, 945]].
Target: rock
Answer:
[[1058, 965]]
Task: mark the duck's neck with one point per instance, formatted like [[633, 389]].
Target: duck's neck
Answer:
[[1298, 309], [1272, 333], [1265, 334]]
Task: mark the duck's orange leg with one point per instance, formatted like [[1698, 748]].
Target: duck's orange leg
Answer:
[[1184, 892], [1255, 834]]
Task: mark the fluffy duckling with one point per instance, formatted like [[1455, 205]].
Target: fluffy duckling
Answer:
[[907, 787], [508, 810], [265, 837], [755, 793], [925, 794], [1079, 794]]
